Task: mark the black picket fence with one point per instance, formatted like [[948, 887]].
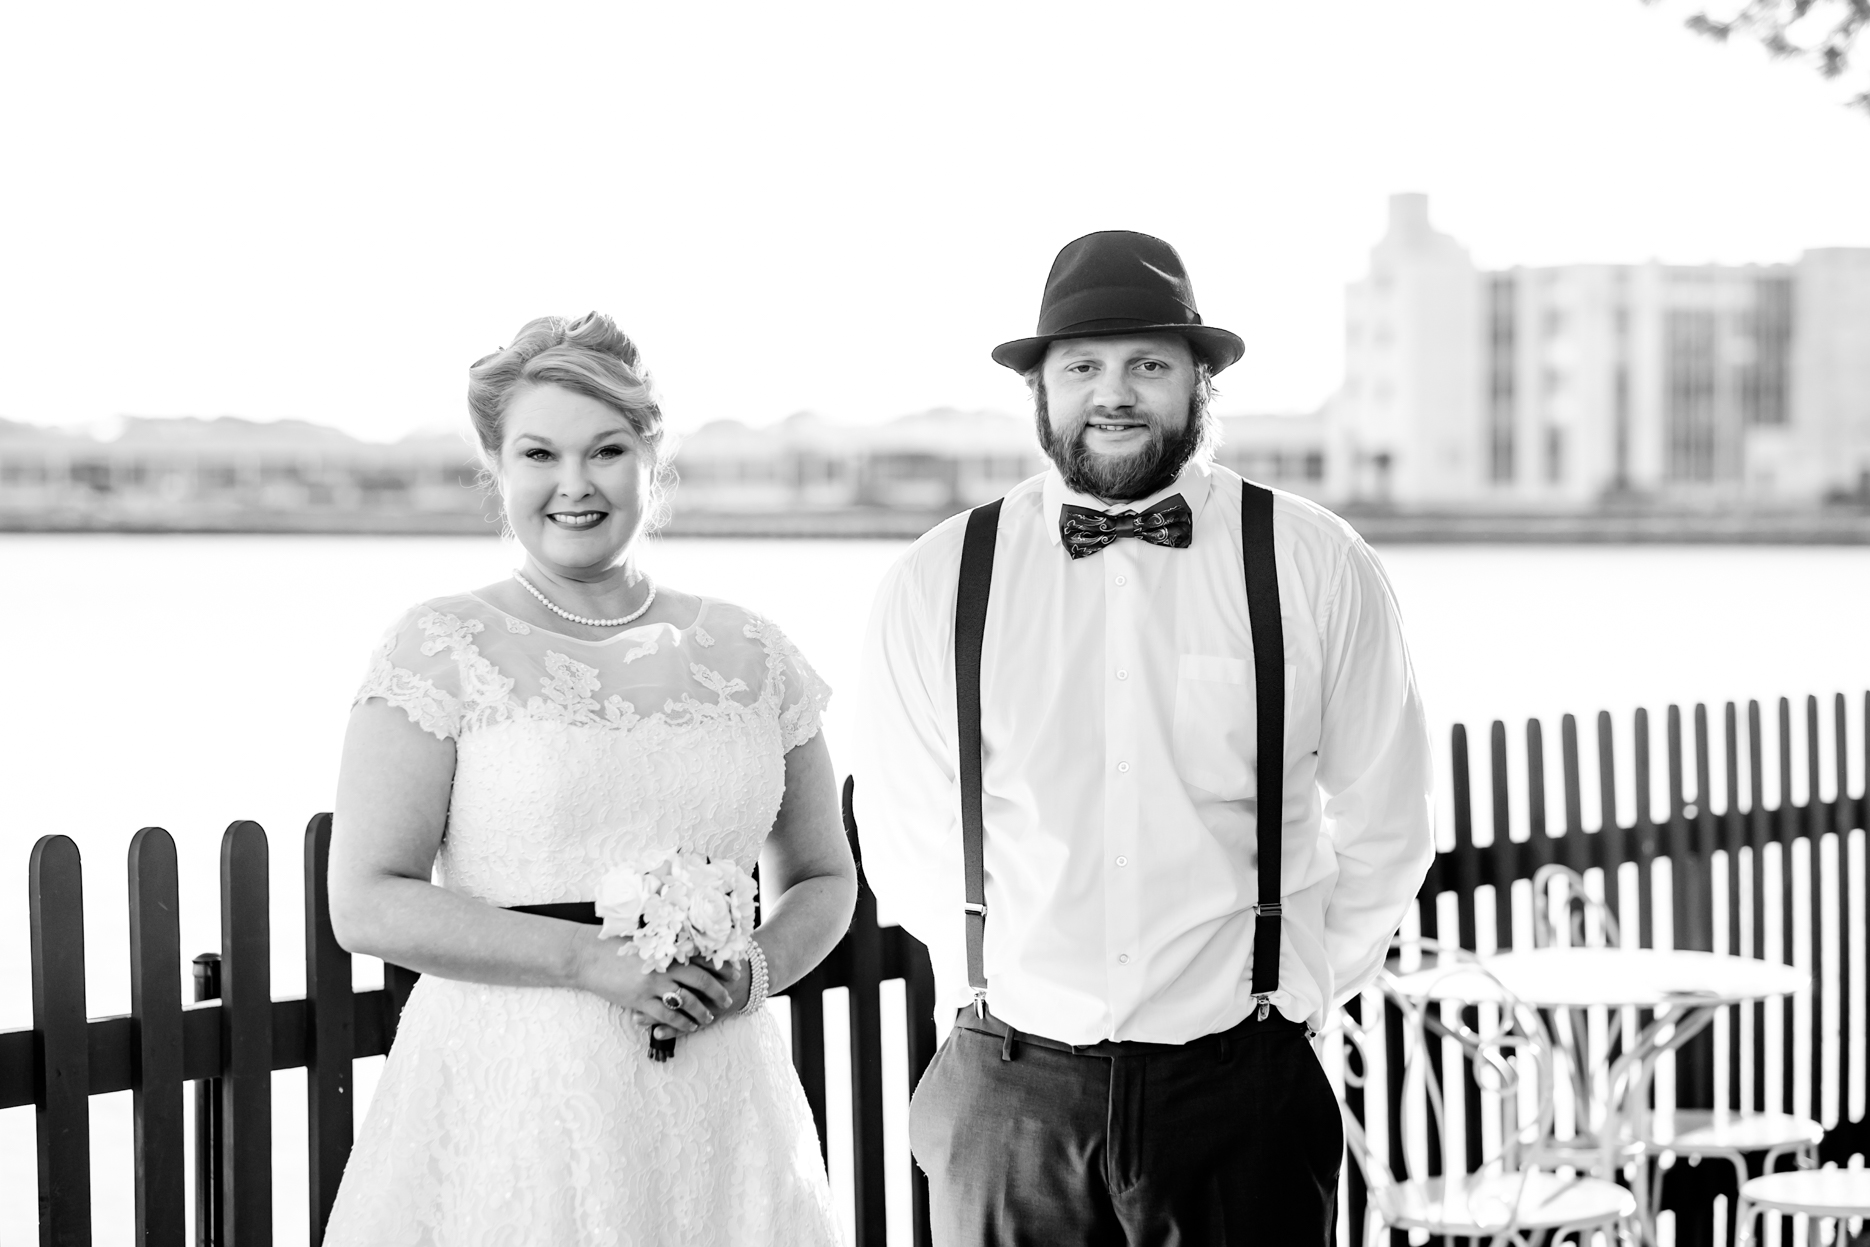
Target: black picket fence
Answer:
[[236, 1035], [1782, 879], [1728, 873]]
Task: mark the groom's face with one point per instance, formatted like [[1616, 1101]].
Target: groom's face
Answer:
[[1119, 415]]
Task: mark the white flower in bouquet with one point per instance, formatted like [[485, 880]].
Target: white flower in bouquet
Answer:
[[711, 914], [620, 897], [673, 906], [663, 936]]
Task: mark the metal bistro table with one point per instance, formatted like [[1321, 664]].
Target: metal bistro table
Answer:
[[1682, 989]]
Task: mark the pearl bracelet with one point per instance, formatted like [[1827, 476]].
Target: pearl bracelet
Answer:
[[756, 966]]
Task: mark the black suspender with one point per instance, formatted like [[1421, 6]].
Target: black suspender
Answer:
[[1269, 696], [970, 625], [1269, 677]]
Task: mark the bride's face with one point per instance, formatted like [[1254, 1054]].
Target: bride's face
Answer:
[[575, 479]]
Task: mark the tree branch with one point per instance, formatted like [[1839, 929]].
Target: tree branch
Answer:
[[1771, 22]]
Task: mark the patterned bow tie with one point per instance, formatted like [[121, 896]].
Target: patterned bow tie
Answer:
[[1168, 523]]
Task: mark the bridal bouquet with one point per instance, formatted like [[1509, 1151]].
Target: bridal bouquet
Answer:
[[672, 906]]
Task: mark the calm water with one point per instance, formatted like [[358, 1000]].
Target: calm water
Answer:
[[190, 681]]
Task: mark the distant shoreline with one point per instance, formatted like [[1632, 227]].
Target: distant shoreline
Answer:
[[1830, 527]]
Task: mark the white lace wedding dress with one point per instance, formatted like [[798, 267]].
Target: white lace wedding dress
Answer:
[[512, 1115]]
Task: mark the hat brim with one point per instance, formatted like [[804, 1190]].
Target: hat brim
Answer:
[[1217, 347]]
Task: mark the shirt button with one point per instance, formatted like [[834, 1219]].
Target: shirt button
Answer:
[[1123, 861], [1122, 674], [1123, 959], [1123, 580], [1123, 766]]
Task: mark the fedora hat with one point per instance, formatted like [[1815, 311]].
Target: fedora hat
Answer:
[[1118, 283]]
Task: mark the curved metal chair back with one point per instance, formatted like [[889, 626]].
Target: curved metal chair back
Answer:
[[1575, 908], [1506, 1048]]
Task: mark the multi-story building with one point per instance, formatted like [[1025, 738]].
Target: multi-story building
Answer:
[[1574, 385]]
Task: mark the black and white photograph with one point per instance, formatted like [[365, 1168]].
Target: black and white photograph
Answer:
[[1027, 625]]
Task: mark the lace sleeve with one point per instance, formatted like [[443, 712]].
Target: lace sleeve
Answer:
[[407, 675], [795, 689]]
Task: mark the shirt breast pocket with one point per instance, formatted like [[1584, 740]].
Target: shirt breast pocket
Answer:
[[1215, 724]]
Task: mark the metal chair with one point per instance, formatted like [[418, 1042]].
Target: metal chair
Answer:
[[1822, 1194], [1504, 1201], [1690, 1134]]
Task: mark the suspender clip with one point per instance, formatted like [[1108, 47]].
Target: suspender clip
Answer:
[[972, 908], [1274, 909], [980, 1002], [1266, 1007]]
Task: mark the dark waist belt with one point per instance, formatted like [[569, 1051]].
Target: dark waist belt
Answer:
[[987, 1024], [564, 911]]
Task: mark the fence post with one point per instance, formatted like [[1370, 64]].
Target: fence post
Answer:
[[246, 1039], [1684, 898], [208, 1132], [919, 1011], [55, 893], [156, 1004], [1539, 850], [331, 1037], [1819, 880], [1647, 846], [1610, 846], [866, 1031], [1785, 830], [807, 1004]]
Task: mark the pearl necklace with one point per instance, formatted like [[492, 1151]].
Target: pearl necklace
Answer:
[[554, 607]]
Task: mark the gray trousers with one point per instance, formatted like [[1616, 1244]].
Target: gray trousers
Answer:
[[1232, 1139]]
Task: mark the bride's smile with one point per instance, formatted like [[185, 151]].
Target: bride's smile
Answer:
[[576, 519]]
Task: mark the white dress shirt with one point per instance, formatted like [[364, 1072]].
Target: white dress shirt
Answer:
[[1119, 791]]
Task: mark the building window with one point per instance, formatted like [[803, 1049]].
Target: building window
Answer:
[[1620, 415], [1768, 324], [1691, 414], [1502, 377], [1554, 454]]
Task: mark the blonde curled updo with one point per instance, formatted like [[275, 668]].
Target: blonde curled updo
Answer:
[[588, 356]]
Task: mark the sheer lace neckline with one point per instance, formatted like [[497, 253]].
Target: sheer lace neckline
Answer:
[[632, 630]]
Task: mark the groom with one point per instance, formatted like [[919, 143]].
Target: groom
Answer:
[[1066, 701]]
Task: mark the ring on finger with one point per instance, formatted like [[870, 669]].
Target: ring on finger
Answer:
[[672, 998]]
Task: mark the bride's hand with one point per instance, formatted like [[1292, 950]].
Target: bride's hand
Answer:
[[614, 971], [733, 977]]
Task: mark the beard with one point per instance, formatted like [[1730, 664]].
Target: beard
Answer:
[[1121, 478]]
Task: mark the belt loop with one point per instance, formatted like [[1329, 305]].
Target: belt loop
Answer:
[[1006, 1044]]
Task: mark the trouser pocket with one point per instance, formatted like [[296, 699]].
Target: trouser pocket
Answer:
[[931, 1110]]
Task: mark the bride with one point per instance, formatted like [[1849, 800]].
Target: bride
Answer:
[[508, 747]]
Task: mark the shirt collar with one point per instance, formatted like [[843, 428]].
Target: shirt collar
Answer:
[[1193, 483]]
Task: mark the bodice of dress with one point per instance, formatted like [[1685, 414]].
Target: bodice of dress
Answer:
[[571, 755]]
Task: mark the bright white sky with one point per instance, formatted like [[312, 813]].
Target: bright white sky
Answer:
[[229, 209]]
